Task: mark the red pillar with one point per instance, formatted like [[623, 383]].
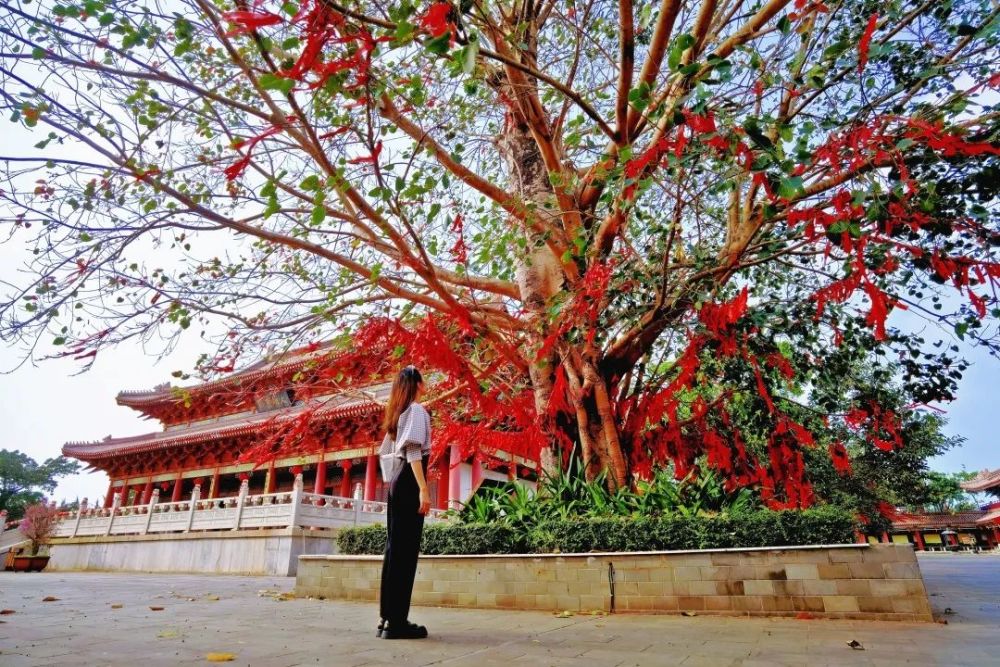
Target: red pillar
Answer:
[[454, 479], [442, 499], [885, 537], [110, 497], [213, 490], [345, 481], [477, 473], [269, 482], [175, 497], [137, 495], [320, 486], [147, 492], [371, 468], [918, 539]]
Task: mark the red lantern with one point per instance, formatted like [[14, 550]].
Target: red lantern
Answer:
[[243, 476], [296, 470], [164, 486]]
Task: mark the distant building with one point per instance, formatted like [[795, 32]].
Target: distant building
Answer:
[[971, 530]]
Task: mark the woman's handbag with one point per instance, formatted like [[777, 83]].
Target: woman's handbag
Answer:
[[389, 459]]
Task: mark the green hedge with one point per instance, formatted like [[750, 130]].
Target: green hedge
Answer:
[[762, 528]]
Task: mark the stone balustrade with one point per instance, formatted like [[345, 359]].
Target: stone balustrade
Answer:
[[284, 509]]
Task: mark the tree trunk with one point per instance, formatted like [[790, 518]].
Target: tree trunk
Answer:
[[539, 278]]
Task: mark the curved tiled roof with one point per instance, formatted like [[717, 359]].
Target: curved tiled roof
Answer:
[[940, 520], [339, 406], [255, 371], [986, 479]]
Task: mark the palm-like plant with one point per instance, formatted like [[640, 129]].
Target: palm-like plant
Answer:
[[568, 495]]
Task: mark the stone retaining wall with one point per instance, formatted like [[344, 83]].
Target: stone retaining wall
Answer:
[[248, 552], [862, 581]]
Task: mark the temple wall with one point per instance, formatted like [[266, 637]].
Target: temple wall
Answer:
[[246, 552], [872, 582]]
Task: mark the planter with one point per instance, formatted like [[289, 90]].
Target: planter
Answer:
[[18, 563], [860, 581]]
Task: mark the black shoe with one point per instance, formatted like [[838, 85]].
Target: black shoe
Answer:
[[405, 630], [381, 627]]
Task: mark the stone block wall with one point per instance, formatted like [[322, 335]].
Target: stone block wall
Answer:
[[880, 581], [273, 551]]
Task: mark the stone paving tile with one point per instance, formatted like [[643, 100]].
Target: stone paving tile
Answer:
[[81, 628]]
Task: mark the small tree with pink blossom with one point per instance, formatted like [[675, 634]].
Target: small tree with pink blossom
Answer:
[[38, 525]]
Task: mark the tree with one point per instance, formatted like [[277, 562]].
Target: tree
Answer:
[[573, 210], [38, 525], [943, 492], [23, 480]]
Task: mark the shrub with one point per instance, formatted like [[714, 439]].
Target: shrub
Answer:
[[758, 528]]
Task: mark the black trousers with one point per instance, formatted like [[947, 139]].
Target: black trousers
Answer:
[[399, 565]]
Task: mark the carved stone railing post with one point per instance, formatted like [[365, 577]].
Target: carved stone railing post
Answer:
[[3, 520], [195, 496], [115, 502], [240, 501], [79, 514], [153, 499], [358, 502], [296, 500]]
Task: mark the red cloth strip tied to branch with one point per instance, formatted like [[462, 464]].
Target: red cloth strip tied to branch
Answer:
[[865, 43], [247, 21], [236, 169]]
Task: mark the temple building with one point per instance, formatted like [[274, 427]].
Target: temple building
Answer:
[[207, 427], [940, 531]]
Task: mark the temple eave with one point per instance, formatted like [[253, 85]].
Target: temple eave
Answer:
[[111, 447], [985, 480]]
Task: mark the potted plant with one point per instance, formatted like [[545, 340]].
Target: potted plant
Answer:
[[38, 525]]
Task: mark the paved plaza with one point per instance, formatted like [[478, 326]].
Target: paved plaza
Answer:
[[148, 620]]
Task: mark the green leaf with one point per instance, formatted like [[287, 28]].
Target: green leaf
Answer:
[[311, 183], [38, 53], [469, 53], [59, 340], [404, 31], [960, 329], [270, 81], [690, 69], [439, 45], [638, 97], [318, 214], [791, 187], [106, 19]]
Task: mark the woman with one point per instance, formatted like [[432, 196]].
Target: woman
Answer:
[[403, 455]]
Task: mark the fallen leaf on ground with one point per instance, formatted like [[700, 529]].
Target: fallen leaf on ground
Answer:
[[7, 612], [213, 598], [949, 610], [856, 645], [564, 614], [156, 608], [688, 613], [804, 616], [220, 657], [168, 634], [117, 605], [49, 598]]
